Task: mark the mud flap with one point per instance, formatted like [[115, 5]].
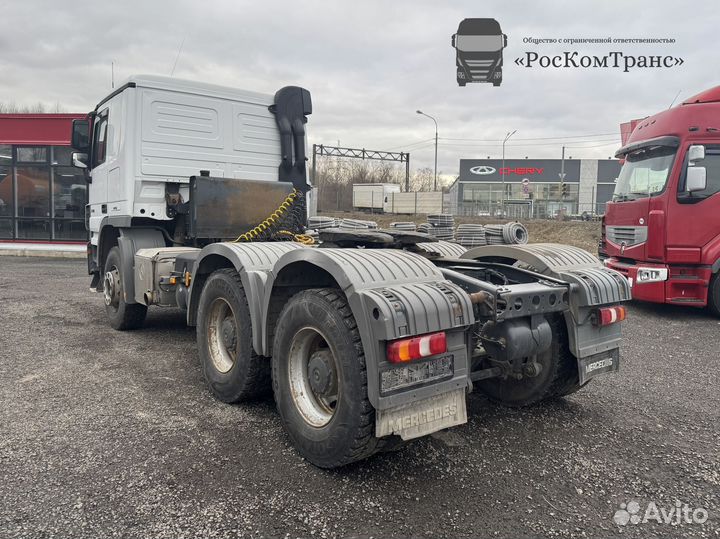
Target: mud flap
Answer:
[[596, 364], [423, 417]]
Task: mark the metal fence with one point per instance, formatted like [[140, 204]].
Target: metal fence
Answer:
[[535, 209]]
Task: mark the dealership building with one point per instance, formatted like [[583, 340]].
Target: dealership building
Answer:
[[533, 187], [42, 196]]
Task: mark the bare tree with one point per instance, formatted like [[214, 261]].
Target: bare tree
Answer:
[[422, 179], [11, 107]]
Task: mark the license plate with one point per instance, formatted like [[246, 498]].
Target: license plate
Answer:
[[423, 417], [416, 373], [597, 364]]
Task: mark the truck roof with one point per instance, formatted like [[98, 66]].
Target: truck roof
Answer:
[[479, 27], [697, 116], [192, 87]]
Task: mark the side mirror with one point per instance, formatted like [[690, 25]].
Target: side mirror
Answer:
[[504, 40], [80, 139], [696, 153], [696, 179], [79, 160], [452, 40]]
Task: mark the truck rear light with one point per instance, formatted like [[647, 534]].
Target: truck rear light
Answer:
[[416, 347], [609, 315]]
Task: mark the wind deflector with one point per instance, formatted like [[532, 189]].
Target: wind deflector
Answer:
[[291, 107], [670, 141]]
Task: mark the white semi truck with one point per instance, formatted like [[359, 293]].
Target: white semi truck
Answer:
[[197, 200]]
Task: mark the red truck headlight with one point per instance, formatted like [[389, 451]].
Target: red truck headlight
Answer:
[[404, 350]]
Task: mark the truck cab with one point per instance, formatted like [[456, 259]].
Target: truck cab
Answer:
[[661, 228], [145, 142], [479, 45]]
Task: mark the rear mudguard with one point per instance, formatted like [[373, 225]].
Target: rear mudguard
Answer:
[[591, 285], [445, 249], [392, 294]]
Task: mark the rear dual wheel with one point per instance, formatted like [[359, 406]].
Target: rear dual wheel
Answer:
[[318, 368], [232, 369], [320, 380], [558, 376]]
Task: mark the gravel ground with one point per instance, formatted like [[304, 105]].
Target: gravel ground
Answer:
[[114, 434]]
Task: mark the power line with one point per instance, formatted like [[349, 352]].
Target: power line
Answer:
[[528, 144], [409, 146], [537, 138]]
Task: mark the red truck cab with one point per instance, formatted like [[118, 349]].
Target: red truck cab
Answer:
[[662, 227]]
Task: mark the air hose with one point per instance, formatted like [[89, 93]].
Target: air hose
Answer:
[[270, 228]]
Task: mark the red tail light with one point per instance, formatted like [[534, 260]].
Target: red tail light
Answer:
[[416, 347], [610, 315]]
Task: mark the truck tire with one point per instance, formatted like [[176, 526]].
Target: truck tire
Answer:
[[320, 380], [714, 295], [122, 315], [232, 369], [558, 377]]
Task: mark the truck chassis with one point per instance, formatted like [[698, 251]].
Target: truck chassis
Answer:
[[367, 339]]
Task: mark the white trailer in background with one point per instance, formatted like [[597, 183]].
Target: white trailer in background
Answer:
[[374, 196], [418, 202]]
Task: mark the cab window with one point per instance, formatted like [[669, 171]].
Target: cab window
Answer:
[[100, 140]]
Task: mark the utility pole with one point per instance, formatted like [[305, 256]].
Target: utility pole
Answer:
[[436, 144], [502, 169], [562, 173]]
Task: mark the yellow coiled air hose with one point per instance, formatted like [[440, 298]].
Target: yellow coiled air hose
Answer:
[[274, 219]]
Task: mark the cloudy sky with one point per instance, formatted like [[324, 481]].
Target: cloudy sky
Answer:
[[371, 64]]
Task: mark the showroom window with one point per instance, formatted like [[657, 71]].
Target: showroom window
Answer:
[[41, 197]]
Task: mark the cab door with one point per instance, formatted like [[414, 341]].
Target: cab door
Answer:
[[97, 192], [694, 218]]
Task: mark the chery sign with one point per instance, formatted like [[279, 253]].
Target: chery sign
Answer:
[[484, 170], [538, 170]]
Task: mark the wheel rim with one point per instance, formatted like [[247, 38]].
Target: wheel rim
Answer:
[[313, 377], [222, 332], [111, 287]]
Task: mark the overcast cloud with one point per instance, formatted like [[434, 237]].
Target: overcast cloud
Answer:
[[371, 64]]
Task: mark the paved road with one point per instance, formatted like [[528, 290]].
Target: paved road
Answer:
[[114, 434]]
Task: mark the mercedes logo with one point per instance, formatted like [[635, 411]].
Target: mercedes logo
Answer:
[[482, 170]]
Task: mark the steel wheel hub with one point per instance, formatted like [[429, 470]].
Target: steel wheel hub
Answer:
[[320, 373], [222, 333], [111, 287], [313, 377]]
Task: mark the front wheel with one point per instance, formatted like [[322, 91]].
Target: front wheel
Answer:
[[320, 380], [714, 295], [122, 315]]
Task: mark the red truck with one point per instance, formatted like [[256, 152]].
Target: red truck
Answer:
[[662, 228]]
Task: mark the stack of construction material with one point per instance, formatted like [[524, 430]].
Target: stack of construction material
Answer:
[[358, 224], [318, 222], [443, 226], [404, 225], [470, 235], [424, 228], [508, 233]]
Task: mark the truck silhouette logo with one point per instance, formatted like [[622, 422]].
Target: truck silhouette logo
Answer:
[[479, 45]]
